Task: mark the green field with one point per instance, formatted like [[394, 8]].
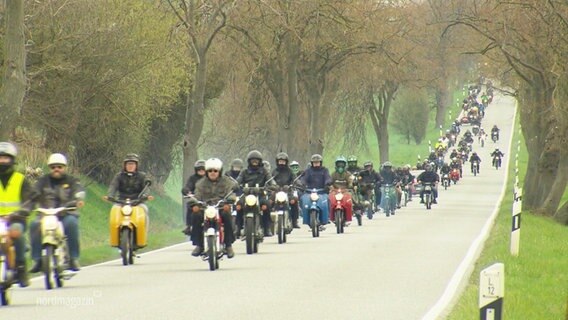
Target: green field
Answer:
[[536, 282]]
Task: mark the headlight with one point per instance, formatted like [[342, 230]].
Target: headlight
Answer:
[[314, 196], [281, 196], [338, 196], [3, 227], [250, 200], [210, 212], [127, 210], [50, 222]]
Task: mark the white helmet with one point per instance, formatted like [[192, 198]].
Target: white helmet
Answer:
[[8, 149], [57, 158], [213, 163]]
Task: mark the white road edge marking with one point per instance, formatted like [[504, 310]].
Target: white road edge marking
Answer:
[[456, 285]]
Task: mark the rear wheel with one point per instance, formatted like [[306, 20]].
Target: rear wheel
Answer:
[[338, 222], [212, 252], [359, 217]]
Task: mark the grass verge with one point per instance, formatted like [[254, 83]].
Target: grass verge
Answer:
[[536, 282]]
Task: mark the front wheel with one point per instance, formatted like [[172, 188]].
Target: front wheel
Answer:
[[125, 246], [212, 252], [280, 229], [48, 266], [314, 223], [338, 222], [359, 217], [5, 296], [249, 235]]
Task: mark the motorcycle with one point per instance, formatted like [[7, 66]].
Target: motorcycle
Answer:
[[252, 217], [370, 203], [214, 232], [280, 214], [7, 260], [446, 181], [389, 200], [127, 225], [497, 161], [475, 130], [475, 167], [428, 195], [315, 211], [339, 211], [494, 137], [482, 140], [55, 256], [455, 175]]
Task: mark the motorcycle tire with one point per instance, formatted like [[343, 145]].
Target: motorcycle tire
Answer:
[[125, 246], [314, 223], [249, 235], [280, 229], [5, 296], [338, 221], [48, 266], [212, 252]]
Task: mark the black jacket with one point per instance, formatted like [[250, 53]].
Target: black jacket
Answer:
[[283, 176], [190, 184], [49, 192], [252, 177], [428, 176], [127, 185]]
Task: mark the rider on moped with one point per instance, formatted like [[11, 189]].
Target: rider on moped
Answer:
[[341, 180], [316, 177], [214, 187]]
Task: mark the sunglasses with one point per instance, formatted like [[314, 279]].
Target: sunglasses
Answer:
[[212, 170], [55, 167]]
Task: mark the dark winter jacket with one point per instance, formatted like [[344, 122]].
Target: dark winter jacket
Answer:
[[127, 185]]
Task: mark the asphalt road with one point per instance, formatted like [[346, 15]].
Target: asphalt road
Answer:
[[390, 268]]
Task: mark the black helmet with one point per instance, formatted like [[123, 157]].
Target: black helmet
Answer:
[[282, 156], [199, 164], [237, 163], [131, 157], [254, 154], [316, 157], [368, 164]]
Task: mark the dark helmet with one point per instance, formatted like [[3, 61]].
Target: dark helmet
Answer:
[[282, 156], [254, 154], [131, 157], [316, 157], [428, 167], [237, 163], [368, 164], [387, 164], [199, 164]]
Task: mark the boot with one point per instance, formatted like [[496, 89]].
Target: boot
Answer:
[[230, 252], [74, 265], [36, 267], [295, 224], [197, 251], [22, 275]]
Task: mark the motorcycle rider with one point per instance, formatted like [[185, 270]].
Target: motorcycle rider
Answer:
[[189, 188], [53, 190], [236, 167], [15, 205], [429, 176], [475, 157], [352, 165], [406, 179], [497, 153], [388, 176], [212, 188], [341, 179], [495, 131], [454, 153], [315, 177], [256, 173], [295, 167], [284, 176], [456, 164], [368, 177]]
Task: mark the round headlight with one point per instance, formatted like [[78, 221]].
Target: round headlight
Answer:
[[127, 210], [210, 212], [338, 196], [314, 196], [281, 196], [250, 200]]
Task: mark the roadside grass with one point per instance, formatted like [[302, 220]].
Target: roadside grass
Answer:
[[536, 282]]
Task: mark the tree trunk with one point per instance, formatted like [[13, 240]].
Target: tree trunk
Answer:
[[562, 214], [442, 103], [194, 116], [14, 81], [294, 121]]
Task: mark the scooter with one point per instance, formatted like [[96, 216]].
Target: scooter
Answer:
[[455, 175], [7, 260], [446, 181], [339, 211], [315, 211], [252, 217], [55, 256], [428, 195], [127, 225]]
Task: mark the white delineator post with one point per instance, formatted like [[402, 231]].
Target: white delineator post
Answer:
[[516, 224], [491, 292]]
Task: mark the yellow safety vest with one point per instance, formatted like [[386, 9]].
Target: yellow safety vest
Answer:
[[10, 200]]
